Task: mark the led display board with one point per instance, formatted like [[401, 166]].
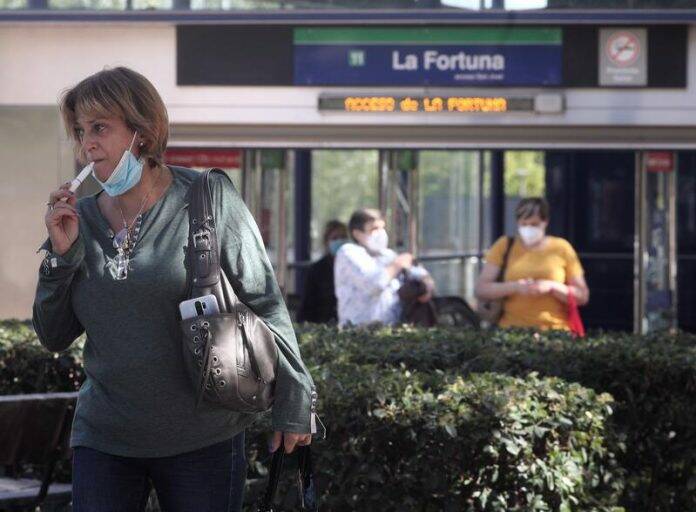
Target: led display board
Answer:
[[385, 103]]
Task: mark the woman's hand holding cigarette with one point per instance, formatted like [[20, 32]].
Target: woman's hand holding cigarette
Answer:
[[61, 218]]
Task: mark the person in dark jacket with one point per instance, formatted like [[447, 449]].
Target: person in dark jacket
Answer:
[[318, 304]]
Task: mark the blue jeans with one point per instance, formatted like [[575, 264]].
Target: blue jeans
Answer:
[[207, 480]]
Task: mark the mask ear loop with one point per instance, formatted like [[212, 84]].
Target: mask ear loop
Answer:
[[130, 148]]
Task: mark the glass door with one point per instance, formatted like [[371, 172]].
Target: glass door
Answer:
[[342, 182], [451, 196], [686, 239], [656, 284], [267, 189], [399, 198]]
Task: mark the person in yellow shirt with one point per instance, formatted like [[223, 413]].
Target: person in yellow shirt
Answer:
[[541, 271]]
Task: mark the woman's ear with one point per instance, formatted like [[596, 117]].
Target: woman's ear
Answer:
[[141, 143]]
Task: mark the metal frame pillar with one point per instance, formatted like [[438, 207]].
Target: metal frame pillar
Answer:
[[497, 194], [303, 213]]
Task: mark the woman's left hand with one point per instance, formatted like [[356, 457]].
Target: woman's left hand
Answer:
[[544, 286], [430, 288], [425, 297], [291, 440]]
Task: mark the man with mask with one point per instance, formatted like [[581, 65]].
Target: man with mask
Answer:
[[367, 272], [318, 304]]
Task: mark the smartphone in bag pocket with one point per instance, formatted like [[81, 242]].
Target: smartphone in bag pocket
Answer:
[[200, 306]]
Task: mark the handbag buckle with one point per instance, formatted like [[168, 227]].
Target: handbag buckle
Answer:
[[201, 240]]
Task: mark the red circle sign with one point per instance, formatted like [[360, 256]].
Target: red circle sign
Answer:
[[623, 48]]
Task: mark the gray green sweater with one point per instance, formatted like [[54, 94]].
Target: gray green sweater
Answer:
[[137, 400]]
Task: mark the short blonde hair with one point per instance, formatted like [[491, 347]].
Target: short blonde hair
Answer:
[[123, 93]]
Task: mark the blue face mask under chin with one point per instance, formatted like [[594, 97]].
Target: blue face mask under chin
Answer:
[[335, 245], [125, 175]]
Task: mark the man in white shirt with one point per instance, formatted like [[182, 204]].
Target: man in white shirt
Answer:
[[366, 273]]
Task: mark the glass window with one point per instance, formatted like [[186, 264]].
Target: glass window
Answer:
[[608, 221], [449, 218], [323, 5], [269, 192], [525, 176], [342, 182], [111, 5], [686, 202], [400, 196], [449, 201], [273, 186], [686, 240]]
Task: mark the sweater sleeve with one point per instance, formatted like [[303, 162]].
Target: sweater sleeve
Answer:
[[245, 262], [54, 320]]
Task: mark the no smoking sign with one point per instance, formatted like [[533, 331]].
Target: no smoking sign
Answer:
[[623, 57], [623, 48]]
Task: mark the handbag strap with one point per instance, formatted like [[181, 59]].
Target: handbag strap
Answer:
[[269, 497], [506, 257], [203, 250], [305, 480]]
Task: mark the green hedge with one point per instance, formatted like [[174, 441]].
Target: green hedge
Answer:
[[463, 420], [403, 440], [651, 378], [27, 367]]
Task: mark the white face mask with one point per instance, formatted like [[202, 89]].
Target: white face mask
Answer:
[[377, 241], [531, 235]]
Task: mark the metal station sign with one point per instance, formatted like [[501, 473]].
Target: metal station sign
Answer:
[[428, 56], [659, 161], [204, 157]]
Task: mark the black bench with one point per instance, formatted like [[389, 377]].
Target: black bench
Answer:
[[34, 432]]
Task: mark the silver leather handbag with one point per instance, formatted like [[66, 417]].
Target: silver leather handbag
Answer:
[[231, 357]]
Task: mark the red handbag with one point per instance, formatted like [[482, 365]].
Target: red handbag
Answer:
[[574, 320]]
